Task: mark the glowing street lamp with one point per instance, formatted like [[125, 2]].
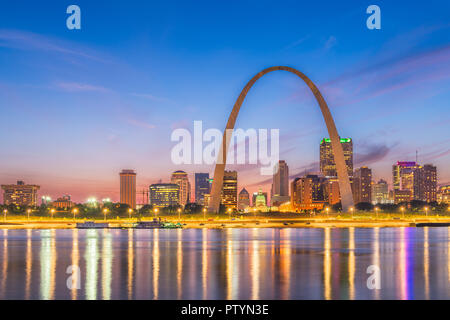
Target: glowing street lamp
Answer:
[[351, 211], [105, 212], [376, 211], [426, 211], [327, 209], [130, 211], [179, 214], [74, 211], [204, 213], [52, 212], [229, 212], [156, 211], [402, 209], [28, 214], [4, 214]]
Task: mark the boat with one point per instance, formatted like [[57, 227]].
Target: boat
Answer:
[[154, 224], [92, 225], [433, 224], [171, 225]]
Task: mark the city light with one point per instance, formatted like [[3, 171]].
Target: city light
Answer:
[[105, 212], [426, 211], [4, 214], [28, 214], [52, 212], [74, 211], [402, 209], [130, 211]]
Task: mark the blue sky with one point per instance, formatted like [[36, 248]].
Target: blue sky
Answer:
[[79, 105]]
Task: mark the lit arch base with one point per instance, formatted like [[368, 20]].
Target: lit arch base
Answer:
[[343, 179]]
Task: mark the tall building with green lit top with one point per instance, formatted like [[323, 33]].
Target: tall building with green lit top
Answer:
[[327, 164]]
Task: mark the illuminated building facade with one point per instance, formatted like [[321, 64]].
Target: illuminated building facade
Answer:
[[420, 181], [401, 196], [181, 179], [255, 194], [20, 194], [243, 200], [443, 195], [362, 185], [327, 163], [380, 192], [164, 194], [308, 192], [63, 203], [128, 188], [202, 187], [229, 190], [280, 185]]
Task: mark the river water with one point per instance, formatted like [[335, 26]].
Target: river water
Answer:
[[289, 263]]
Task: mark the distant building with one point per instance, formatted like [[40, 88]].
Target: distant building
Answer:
[[229, 190], [331, 192], [260, 202], [308, 192], [20, 194], [280, 185], [444, 194], [128, 188], [164, 194], [202, 187], [181, 179], [63, 203], [380, 192], [255, 194], [244, 200], [362, 185], [401, 196], [420, 181], [327, 163]]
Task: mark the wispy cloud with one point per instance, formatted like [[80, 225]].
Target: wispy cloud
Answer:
[[141, 124], [330, 43], [23, 40], [151, 97], [80, 87]]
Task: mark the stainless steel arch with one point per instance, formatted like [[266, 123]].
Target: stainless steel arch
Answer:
[[343, 179]]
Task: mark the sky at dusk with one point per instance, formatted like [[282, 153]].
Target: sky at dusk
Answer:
[[78, 106]]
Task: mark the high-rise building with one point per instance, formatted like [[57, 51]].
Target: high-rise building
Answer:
[[128, 188], [331, 192], [20, 194], [202, 187], [308, 192], [327, 163], [181, 178], [229, 190], [280, 186], [401, 196], [380, 192], [164, 194], [362, 185], [420, 181], [244, 199]]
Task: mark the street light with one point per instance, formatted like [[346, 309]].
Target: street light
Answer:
[[28, 214], [105, 212], [4, 214], [156, 211], [376, 211], [130, 211], [327, 209], [402, 209], [179, 214], [204, 213], [74, 211], [52, 211], [229, 212], [426, 211], [351, 211]]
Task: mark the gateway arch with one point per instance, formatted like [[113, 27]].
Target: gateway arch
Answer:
[[338, 153]]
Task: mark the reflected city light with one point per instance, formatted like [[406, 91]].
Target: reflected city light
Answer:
[[91, 256], [327, 264], [155, 264], [351, 263], [107, 258]]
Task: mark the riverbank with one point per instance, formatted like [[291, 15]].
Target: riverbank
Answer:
[[263, 222]]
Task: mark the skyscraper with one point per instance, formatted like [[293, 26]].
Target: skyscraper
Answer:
[[128, 188], [380, 192], [181, 179], [362, 185], [20, 194], [244, 199], [164, 194], [280, 185], [202, 186], [308, 192], [419, 181], [229, 189], [327, 163]]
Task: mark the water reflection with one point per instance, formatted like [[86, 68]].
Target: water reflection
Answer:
[[327, 263]]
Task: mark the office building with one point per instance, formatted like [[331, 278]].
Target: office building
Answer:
[[128, 188], [327, 163], [229, 190], [280, 185], [164, 194], [362, 185], [380, 192], [202, 187], [20, 194], [244, 200], [181, 179]]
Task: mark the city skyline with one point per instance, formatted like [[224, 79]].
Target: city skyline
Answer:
[[66, 90]]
